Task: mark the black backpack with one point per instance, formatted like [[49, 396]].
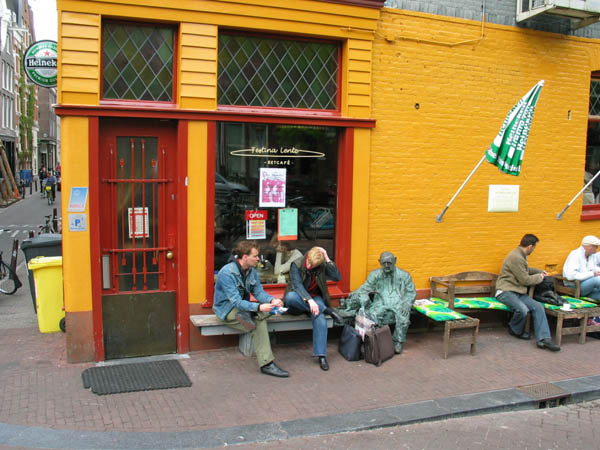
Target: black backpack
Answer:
[[545, 293]]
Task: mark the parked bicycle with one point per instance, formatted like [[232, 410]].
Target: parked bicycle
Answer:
[[48, 226], [9, 281]]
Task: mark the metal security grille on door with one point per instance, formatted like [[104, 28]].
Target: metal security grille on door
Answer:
[[137, 189]]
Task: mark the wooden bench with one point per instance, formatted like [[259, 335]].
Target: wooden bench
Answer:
[[452, 320], [468, 284], [581, 311], [209, 325], [473, 291]]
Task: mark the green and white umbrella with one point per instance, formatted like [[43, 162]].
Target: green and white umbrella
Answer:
[[506, 152], [508, 148]]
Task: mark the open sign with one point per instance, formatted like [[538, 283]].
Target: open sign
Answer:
[[256, 215]]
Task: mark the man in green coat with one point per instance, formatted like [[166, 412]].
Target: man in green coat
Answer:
[[393, 294], [512, 284]]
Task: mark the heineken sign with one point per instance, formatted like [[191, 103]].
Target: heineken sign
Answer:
[[40, 62]]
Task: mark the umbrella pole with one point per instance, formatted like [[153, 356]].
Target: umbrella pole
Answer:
[[560, 214], [441, 215]]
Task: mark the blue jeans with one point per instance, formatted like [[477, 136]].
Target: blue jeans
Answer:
[[297, 306], [591, 288], [520, 304]]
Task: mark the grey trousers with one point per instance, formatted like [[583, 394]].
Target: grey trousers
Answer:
[[260, 335], [520, 304]]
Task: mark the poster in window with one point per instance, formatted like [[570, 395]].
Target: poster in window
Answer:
[[256, 229], [272, 188], [287, 224]]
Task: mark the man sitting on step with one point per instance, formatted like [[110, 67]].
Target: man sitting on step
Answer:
[[232, 306]]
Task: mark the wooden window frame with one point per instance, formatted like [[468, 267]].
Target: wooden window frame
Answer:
[[142, 103], [280, 110]]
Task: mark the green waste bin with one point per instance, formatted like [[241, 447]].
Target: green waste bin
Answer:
[[47, 271], [46, 244]]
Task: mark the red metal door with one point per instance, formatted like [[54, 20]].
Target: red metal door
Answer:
[[138, 237]]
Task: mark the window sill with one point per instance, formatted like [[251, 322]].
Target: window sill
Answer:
[[590, 212], [277, 291]]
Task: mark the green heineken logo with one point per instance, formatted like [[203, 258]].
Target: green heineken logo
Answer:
[[40, 62]]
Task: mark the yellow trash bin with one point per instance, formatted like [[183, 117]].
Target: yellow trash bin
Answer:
[[47, 275]]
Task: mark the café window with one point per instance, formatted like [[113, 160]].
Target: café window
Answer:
[[276, 184], [279, 73], [137, 62]]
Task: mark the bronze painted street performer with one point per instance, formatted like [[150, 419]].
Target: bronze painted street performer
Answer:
[[393, 296]]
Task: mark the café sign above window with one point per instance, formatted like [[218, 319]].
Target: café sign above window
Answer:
[[40, 62]]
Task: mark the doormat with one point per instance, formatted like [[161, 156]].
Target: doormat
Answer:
[[135, 377]]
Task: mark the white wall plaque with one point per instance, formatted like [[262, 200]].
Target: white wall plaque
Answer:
[[503, 198]]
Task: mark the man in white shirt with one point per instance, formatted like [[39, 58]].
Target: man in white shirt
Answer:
[[583, 264]]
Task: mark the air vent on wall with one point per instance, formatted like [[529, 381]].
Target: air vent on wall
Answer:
[[582, 12]]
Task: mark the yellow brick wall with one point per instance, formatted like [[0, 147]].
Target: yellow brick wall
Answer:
[[438, 107]]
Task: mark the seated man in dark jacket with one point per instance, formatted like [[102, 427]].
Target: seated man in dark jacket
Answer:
[[307, 293]]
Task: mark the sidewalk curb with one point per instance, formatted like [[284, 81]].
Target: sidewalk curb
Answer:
[[511, 399]]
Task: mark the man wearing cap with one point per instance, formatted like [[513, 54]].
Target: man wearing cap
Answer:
[[515, 278], [583, 264]]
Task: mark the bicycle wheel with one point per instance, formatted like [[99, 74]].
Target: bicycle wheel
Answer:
[[9, 282]]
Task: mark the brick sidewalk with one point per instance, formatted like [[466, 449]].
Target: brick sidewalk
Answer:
[[39, 388]]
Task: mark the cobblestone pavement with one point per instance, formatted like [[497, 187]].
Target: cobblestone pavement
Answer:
[[572, 427], [39, 388]]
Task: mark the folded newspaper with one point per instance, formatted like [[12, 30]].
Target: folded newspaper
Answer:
[[424, 302]]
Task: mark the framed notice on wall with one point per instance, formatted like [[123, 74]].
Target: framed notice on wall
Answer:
[[287, 224], [503, 198]]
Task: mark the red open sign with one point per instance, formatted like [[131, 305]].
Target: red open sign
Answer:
[[256, 215]]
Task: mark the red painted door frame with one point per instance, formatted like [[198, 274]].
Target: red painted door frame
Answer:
[[179, 282]]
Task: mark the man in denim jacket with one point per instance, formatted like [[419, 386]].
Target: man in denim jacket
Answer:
[[235, 282]]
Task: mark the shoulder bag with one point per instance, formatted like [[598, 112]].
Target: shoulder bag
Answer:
[[350, 343]]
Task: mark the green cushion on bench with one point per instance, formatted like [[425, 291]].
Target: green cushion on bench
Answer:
[[476, 303], [576, 303], [435, 309]]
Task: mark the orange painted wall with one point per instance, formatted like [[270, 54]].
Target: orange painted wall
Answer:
[[438, 107]]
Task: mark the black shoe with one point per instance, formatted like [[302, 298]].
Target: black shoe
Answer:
[[524, 335], [334, 315], [245, 318], [547, 343], [323, 363], [273, 370]]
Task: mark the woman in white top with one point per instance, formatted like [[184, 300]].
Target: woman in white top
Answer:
[[284, 258]]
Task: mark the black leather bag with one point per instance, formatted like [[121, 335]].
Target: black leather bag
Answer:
[[545, 293], [379, 345], [350, 343]]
